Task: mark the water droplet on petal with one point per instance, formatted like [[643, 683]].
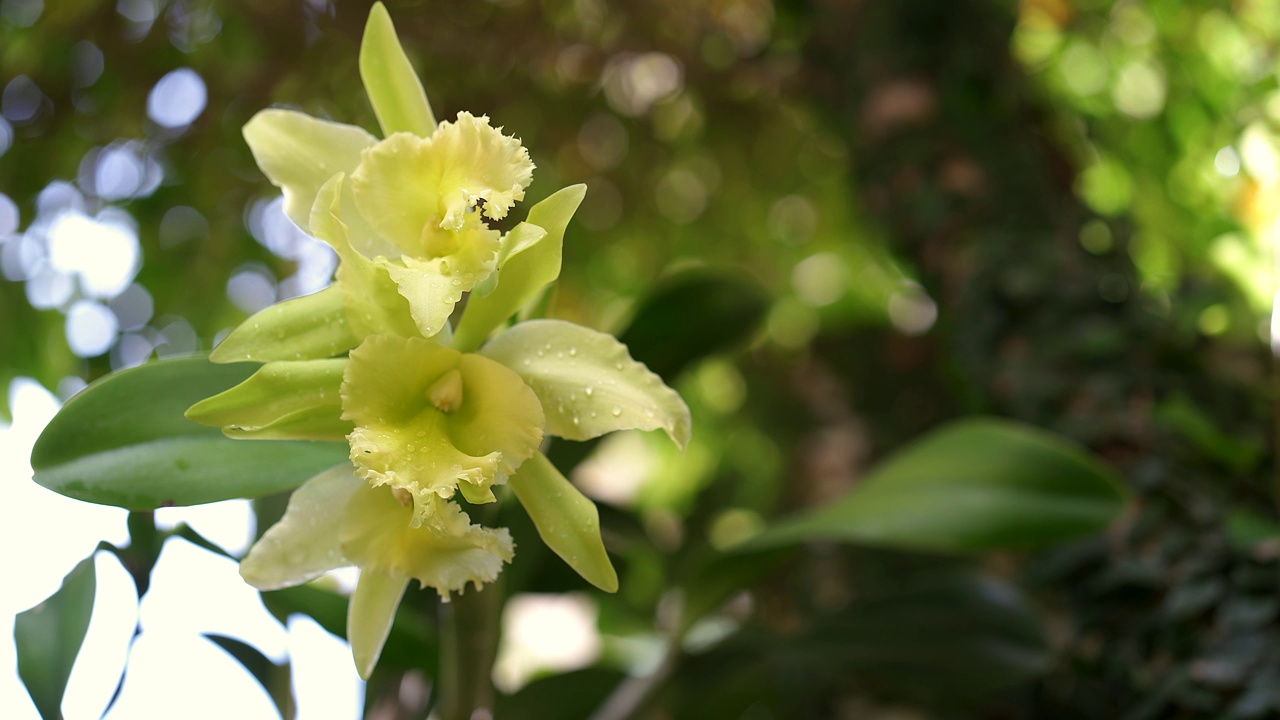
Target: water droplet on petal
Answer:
[[589, 390], [573, 352], [616, 411]]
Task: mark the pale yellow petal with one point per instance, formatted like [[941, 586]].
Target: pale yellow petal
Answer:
[[446, 553]]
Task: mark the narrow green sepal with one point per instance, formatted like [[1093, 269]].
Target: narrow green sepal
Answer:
[[281, 401], [567, 520], [393, 87], [531, 263], [370, 615], [304, 328]]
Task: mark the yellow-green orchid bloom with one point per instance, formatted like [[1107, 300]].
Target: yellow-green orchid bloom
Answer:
[[415, 203], [432, 415], [426, 422]]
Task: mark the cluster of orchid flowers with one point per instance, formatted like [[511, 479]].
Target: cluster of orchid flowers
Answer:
[[440, 401]]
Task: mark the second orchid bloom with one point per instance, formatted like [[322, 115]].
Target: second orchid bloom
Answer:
[[437, 416]]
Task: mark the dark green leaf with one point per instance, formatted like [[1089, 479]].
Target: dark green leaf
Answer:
[[566, 695], [49, 635], [273, 678], [936, 639], [973, 486], [124, 441], [693, 315]]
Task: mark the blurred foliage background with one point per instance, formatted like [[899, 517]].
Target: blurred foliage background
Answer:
[[840, 223]]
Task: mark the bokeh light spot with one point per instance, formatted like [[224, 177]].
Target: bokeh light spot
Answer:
[[912, 311], [9, 216], [820, 279], [21, 100], [1139, 91], [102, 251], [178, 99], [21, 13], [251, 289], [91, 328]]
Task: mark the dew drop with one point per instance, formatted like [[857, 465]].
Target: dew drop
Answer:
[[616, 411], [589, 391], [573, 352]]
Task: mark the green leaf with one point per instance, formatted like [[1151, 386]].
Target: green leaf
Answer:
[[973, 486], [49, 635], [304, 328], [393, 87], [273, 678], [281, 401], [567, 520], [936, 639], [587, 382], [531, 266], [124, 441], [298, 153], [692, 315]]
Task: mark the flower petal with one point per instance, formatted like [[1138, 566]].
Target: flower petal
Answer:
[[431, 289], [411, 189], [298, 153], [587, 381], [304, 328], [482, 163], [524, 272], [371, 300], [410, 436], [370, 615], [567, 520], [393, 87], [445, 553], [281, 401], [305, 543]]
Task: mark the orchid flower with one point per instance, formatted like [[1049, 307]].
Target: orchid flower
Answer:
[[417, 200], [436, 418]]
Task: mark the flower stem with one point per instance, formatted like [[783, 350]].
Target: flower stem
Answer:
[[468, 645]]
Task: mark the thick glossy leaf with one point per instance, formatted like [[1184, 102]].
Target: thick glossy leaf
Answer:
[[49, 635], [370, 615], [305, 328], [938, 640], [567, 520], [691, 316], [393, 87], [273, 678], [281, 401], [973, 486], [587, 382], [124, 441], [530, 267], [298, 153], [562, 695]]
